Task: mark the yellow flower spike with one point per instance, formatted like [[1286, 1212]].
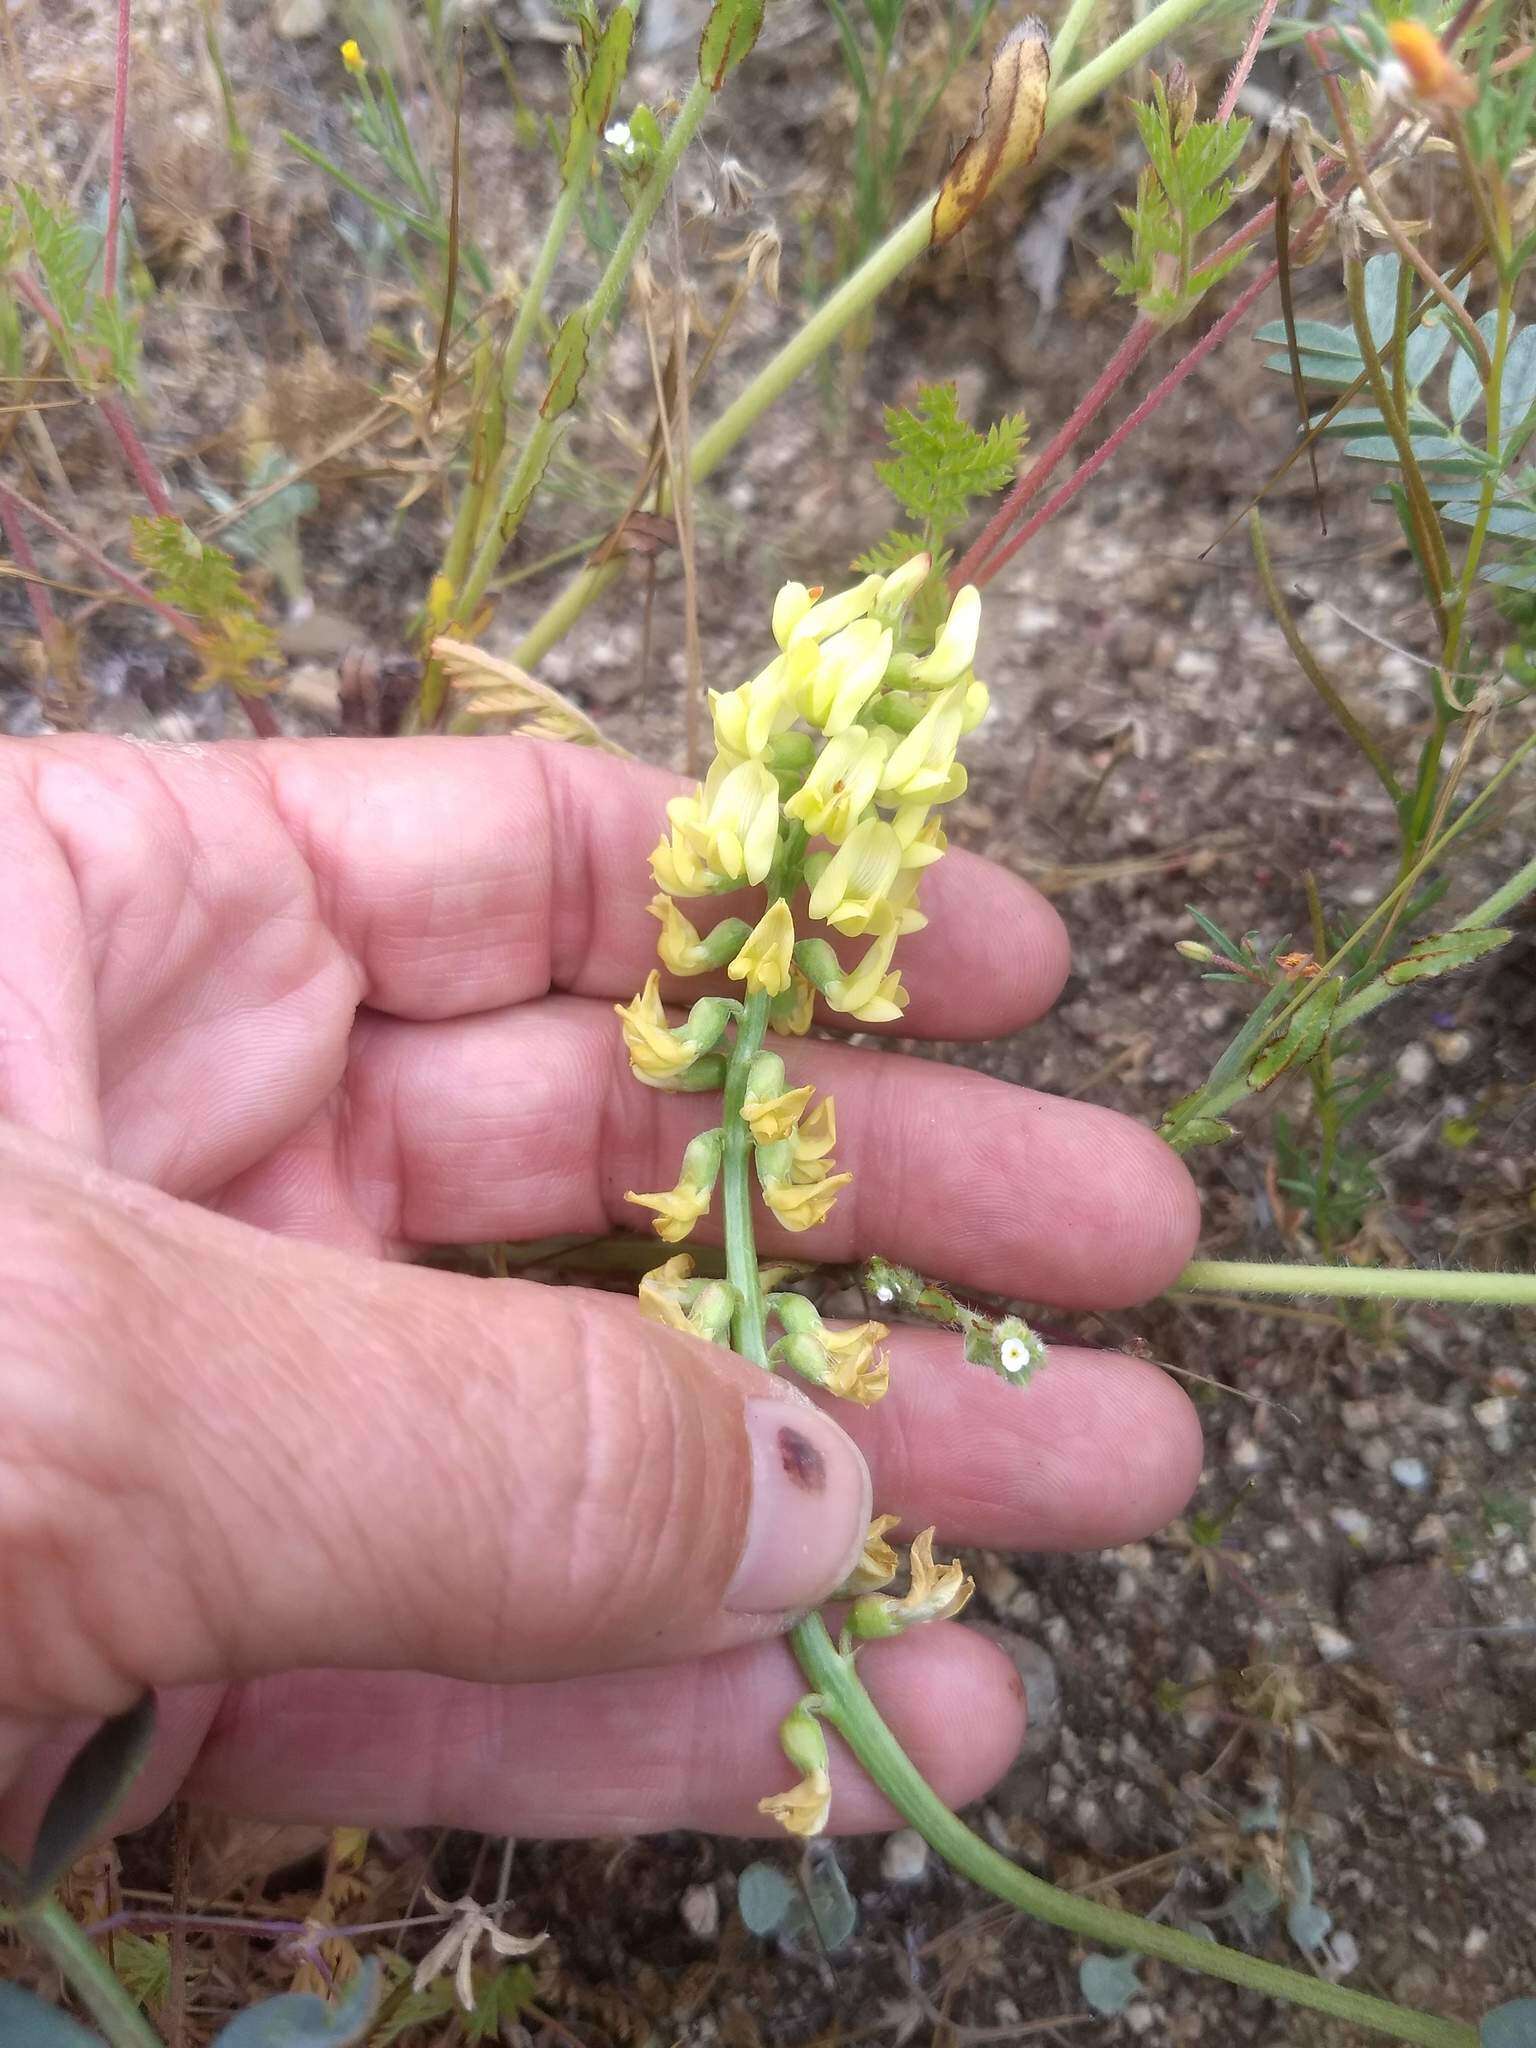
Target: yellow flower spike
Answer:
[[353, 58], [922, 768], [775, 1119], [661, 1294], [804, 1809], [802, 1205], [841, 785], [677, 1210], [656, 1052], [857, 877], [860, 1369], [955, 648], [833, 613], [850, 670], [764, 961], [747, 718], [793, 1019], [789, 608], [877, 1565]]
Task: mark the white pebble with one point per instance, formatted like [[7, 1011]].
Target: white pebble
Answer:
[[1469, 1835], [1476, 1941], [1415, 1064], [904, 1858], [700, 1909], [1352, 1523], [1333, 1646], [1517, 1561], [1412, 1473]]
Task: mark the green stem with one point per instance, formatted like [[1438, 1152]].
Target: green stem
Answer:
[[535, 452], [87, 1973], [849, 1708], [901, 248], [1067, 37], [1239, 1276], [748, 1333]]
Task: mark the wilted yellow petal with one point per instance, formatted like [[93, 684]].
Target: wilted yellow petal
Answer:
[[1012, 123]]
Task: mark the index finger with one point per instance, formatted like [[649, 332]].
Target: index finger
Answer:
[[514, 866]]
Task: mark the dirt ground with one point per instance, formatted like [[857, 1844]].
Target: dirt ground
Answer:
[[1357, 1645]]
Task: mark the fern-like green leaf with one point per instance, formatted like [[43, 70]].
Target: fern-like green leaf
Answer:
[[191, 574], [940, 463], [888, 554], [65, 255]]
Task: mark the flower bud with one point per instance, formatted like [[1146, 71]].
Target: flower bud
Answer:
[[901, 586], [1194, 949]]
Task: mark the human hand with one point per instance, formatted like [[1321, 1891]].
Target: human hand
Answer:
[[400, 1545]]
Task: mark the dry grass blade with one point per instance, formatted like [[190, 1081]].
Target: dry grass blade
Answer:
[[502, 690]]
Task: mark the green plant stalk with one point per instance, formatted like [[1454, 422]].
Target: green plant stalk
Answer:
[[901, 248], [1492, 392], [87, 1973], [1215, 1101], [604, 297], [851, 1711], [845, 1703], [1242, 1276], [1068, 36], [467, 521]]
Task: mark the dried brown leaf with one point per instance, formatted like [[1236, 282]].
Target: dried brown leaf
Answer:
[[1012, 123]]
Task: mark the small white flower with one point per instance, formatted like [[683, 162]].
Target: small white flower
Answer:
[[456, 1949], [618, 137], [1014, 1353]]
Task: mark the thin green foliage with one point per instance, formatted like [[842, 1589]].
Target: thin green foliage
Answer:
[[1182, 192]]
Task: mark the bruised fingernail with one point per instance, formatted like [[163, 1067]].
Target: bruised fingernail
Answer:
[[809, 1510]]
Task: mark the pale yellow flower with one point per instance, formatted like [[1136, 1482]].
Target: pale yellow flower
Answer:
[[938, 1591], [857, 877], [663, 1293], [902, 585], [677, 1210], [877, 1564], [859, 1369], [814, 1138], [775, 1118], [678, 865], [922, 766], [733, 823], [850, 670], [842, 783], [656, 1052], [818, 621], [353, 58], [955, 648], [871, 992], [978, 699], [747, 718], [795, 1020], [789, 608], [766, 955], [802, 1205], [803, 1810], [679, 946]]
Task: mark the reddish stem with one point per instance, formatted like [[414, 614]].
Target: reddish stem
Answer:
[[1245, 63], [137, 456], [50, 629], [119, 151], [177, 621], [1211, 339], [259, 712]]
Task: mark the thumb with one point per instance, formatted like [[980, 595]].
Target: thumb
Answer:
[[229, 1454]]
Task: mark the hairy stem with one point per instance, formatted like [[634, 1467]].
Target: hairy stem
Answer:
[[846, 1704], [1386, 1283]]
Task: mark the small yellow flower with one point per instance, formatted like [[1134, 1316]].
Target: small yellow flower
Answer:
[[938, 1591], [789, 608], [858, 877], [765, 959], [747, 718], [802, 1205], [902, 585], [818, 621], [795, 1019], [663, 1293], [733, 823], [877, 1565], [677, 864], [978, 700], [677, 1210], [775, 1119], [955, 648], [656, 1052], [813, 1142], [679, 946], [804, 1809], [859, 1369], [922, 767], [842, 784], [850, 670], [871, 993], [353, 58]]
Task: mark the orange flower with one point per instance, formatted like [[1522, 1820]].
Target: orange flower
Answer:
[[1432, 73]]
